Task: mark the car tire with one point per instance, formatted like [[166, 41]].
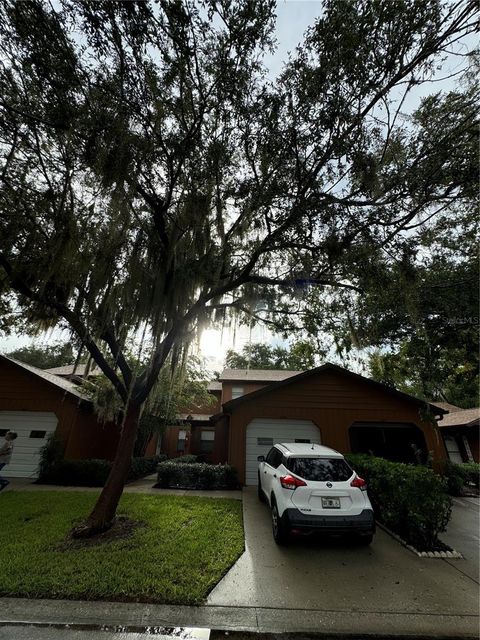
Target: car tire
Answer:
[[280, 534], [364, 541], [261, 495]]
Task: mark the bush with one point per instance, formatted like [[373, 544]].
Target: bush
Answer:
[[460, 475], [77, 473], [92, 472], [472, 470], [410, 500], [144, 467], [51, 454], [187, 459], [198, 475]]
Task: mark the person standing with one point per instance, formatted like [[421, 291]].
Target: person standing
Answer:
[[6, 450]]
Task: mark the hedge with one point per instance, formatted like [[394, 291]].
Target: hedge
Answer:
[[410, 500], [93, 472], [460, 475], [186, 459], [197, 475]]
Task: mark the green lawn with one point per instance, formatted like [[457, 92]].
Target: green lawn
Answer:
[[185, 549]]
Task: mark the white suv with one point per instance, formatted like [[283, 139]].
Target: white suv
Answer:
[[312, 488]]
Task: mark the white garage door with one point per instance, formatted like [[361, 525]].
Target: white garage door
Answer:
[[32, 428], [263, 433]]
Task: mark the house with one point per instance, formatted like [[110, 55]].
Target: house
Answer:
[[328, 405], [35, 403], [250, 411], [460, 431]]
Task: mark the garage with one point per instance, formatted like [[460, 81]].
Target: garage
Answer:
[[263, 433], [33, 428]]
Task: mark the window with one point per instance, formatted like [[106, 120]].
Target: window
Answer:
[[265, 442], [182, 436], [320, 469], [3, 433], [38, 434], [274, 458], [303, 440], [207, 440], [237, 392]]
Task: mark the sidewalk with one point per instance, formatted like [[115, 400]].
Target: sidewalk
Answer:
[[143, 485], [153, 618]]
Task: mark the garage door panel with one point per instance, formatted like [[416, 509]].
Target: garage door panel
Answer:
[[262, 433], [26, 452]]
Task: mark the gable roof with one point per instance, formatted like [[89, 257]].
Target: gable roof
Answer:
[[451, 408], [462, 417], [257, 375], [231, 404], [72, 370], [61, 383]]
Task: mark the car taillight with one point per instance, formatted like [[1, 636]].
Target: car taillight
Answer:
[[290, 482], [359, 482]]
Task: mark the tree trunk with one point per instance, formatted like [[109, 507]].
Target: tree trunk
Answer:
[[103, 514]]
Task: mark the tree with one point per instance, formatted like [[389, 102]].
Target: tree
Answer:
[[153, 179], [299, 357], [177, 387], [429, 327], [46, 356]]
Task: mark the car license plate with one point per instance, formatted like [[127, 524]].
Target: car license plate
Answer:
[[331, 503]]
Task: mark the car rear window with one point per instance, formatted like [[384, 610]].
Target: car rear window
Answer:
[[320, 469]]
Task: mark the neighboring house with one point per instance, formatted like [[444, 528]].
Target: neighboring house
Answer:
[[34, 403], [77, 372], [460, 431], [328, 404]]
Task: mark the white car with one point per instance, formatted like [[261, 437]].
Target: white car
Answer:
[[312, 488]]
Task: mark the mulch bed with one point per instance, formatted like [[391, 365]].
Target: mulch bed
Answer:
[[122, 529]]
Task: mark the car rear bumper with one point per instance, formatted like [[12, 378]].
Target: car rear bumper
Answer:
[[364, 522]]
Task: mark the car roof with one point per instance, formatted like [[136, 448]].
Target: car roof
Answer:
[[306, 449]]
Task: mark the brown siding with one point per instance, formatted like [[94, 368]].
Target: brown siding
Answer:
[[248, 387], [82, 435], [333, 402], [219, 453]]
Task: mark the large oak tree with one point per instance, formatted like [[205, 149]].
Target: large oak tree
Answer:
[[154, 178]]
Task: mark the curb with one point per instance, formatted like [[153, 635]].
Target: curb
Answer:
[[455, 555]]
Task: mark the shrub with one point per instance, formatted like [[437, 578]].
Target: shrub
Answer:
[[472, 470], [92, 472], [198, 475], [460, 475], [77, 473], [187, 459], [410, 500], [50, 454], [144, 467]]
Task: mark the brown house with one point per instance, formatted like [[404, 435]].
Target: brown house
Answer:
[[35, 403], [250, 411], [460, 431], [327, 405]]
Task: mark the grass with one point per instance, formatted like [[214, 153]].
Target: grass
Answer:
[[185, 548]]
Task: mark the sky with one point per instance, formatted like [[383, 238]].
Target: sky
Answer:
[[293, 18]]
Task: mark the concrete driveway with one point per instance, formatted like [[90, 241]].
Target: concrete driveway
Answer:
[[421, 594], [463, 535]]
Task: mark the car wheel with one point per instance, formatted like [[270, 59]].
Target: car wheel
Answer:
[[261, 495], [364, 541], [280, 535]]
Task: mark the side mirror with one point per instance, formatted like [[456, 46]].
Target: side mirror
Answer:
[[261, 458]]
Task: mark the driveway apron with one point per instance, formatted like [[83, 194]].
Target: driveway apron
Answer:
[[339, 576]]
